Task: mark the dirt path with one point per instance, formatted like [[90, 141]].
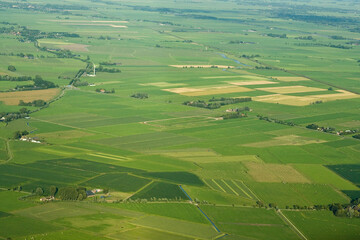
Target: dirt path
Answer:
[[292, 226], [8, 151]]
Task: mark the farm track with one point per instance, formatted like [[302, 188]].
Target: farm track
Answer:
[[292, 226], [8, 151]]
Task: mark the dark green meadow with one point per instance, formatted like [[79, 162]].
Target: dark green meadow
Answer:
[[204, 120]]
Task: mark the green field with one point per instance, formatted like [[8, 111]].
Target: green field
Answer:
[[161, 119]]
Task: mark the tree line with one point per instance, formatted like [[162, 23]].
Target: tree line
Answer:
[[215, 103]]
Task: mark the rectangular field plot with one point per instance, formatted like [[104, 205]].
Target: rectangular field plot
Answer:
[[208, 90], [249, 223], [182, 211], [10, 226], [320, 174], [194, 230], [13, 98], [323, 225], [249, 83], [285, 140], [291, 79], [350, 172], [269, 172], [291, 89], [148, 234], [122, 182], [295, 193]]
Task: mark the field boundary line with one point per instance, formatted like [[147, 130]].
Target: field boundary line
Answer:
[[230, 187], [8, 151], [102, 156], [218, 185], [298, 232], [250, 191], [209, 185], [241, 189], [139, 190]]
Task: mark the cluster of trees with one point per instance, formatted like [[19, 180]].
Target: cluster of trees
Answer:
[[357, 136], [11, 68], [103, 90], [250, 56], [323, 45], [262, 67], [350, 210], [215, 103], [19, 134], [240, 42], [275, 120], [14, 79], [233, 115], [35, 103], [72, 193], [10, 116], [108, 63], [108, 70], [305, 38], [322, 129], [39, 83], [275, 35], [317, 102], [140, 95]]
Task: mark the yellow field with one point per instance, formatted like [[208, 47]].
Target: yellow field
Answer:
[[246, 83], [285, 140], [13, 98], [201, 66], [291, 79], [305, 100], [220, 77], [291, 89], [208, 90], [163, 84], [266, 172]]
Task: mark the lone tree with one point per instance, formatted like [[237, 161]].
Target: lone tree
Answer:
[[11, 68], [53, 190]]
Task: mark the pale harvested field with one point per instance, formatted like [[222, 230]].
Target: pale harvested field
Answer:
[[285, 140], [208, 91], [220, 77], [246, 83], [291, 79], [86, 21], [284, 99], [305, 100], [76, 47], [354, 123], [95, 24], [13, 98], [291, 89], [201, 66], [163, 84], [266, 172]]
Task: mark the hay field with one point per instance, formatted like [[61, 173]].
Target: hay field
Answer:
[[285, 140], [201, 66], [208, 90], [269, 172], [291, 79], [246, 83], [13, 98], [291, 89], [163, 84], [305, 100]]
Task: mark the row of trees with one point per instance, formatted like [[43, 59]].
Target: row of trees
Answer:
[[215, 103], [63, 193], [15, 79], [140, 95], [268, 119], [35, 103]]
